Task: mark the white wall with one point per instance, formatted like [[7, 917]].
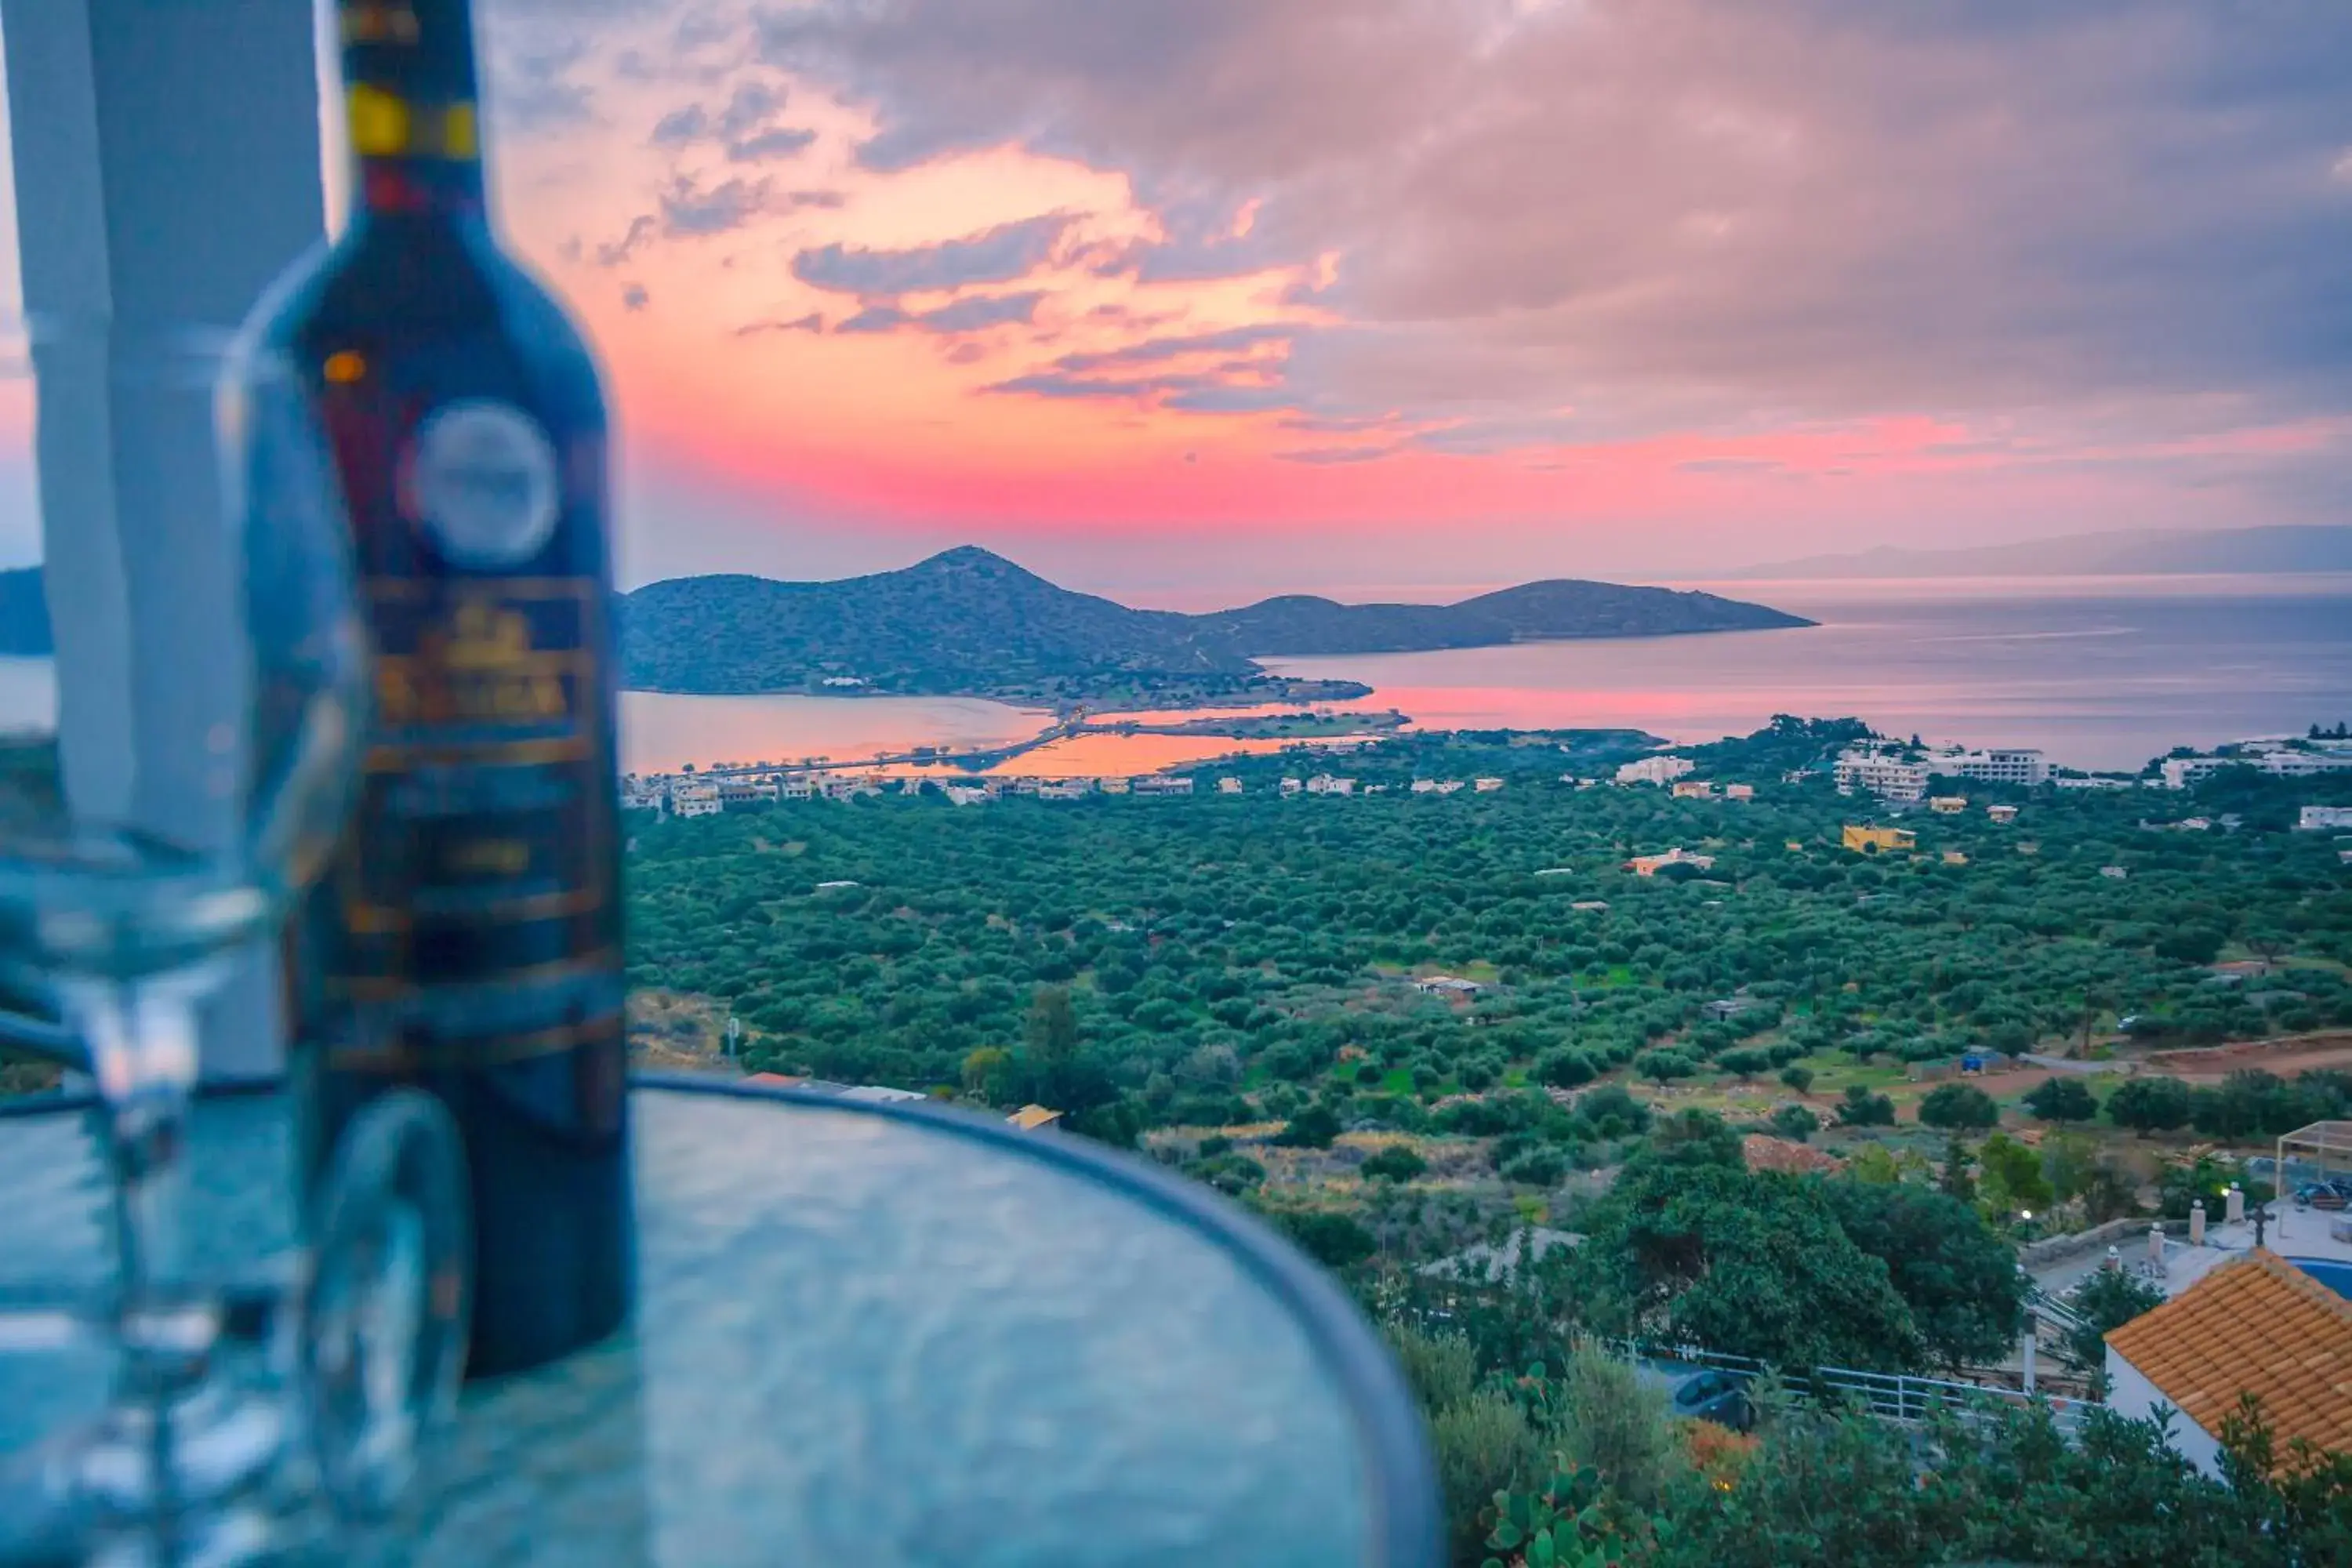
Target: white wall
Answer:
[[2129, 1393]]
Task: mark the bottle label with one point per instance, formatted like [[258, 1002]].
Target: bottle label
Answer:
[[476, 921], [482, 481], [470, 920]]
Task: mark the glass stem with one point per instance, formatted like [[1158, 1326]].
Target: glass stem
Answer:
[[142, 1036]]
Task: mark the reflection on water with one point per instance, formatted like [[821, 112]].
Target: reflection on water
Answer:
[[661, 732], [2097, 679], [1106, 756], [2098, 673]]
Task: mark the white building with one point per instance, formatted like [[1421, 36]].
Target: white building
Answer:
[[1658, 769], [1999, 765], [1448, 985], [1324, 784], [1291, 786], [2254, 1324], [1063, 789], [1882, 773], [696, 798], [2320, 818], [1229, 785], [796, 789], [1423, 786], [1163, 783], [1485, 786], [2280, 759]]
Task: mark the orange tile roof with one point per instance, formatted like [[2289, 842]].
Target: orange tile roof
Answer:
[[2256, 1324]]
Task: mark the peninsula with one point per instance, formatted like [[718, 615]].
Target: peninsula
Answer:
[[969, 622]]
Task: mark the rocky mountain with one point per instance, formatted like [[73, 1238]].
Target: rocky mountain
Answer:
[[971, 622]]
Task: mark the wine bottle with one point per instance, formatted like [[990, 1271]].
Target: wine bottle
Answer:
[[468, 937]]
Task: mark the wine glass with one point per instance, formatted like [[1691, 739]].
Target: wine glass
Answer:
[[170, 784]]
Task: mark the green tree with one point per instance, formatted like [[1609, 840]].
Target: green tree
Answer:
[[1756, 1265], [1333, 1241], [1959, 1107], [1958, 1178], [1860, 1108], [2013, 1185], [1659, 1066], [2150, 1104], [1795, 1121], [1799, 1078], [1314, 1127], [1397, 1163], [984, 1070], [1959, 1279], [2108, 1299], [1051, 1030], [2062, 1099]]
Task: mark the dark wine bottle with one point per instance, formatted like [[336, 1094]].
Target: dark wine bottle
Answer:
[[468, 937]]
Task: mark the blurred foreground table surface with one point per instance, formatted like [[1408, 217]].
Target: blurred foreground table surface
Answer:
[[865, 1335]]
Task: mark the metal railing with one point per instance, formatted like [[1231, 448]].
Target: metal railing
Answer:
[[1900, 1397]]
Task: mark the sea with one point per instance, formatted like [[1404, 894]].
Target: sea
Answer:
[[2099, 673]]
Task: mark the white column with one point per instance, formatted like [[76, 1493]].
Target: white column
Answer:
[[166, 159]]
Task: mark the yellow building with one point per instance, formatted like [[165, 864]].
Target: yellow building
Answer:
[[1693, 789], [1954, 858], [1878, 840]]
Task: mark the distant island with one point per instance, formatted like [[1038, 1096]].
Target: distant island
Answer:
[[2142, 553], [967, 622]]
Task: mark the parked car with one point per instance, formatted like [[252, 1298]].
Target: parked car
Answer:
[[1703, 1394], [2324, 1196]]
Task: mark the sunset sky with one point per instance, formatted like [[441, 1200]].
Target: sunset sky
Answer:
[[1176, 295]]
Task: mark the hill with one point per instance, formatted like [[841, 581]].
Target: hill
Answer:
[[1534, 612], [970, 622], [2132, 554]]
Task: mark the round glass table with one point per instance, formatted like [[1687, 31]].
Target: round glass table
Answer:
[[865, 1334]]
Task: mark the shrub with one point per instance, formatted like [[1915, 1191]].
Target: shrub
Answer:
[[1537, 1168], [1795, 1121], [1860, 1108], [2151, 1105], [2062, 1100], [1664, 1063], [1959, 1107], [1397, 1163], [1566, 1069], [1314, 1126]]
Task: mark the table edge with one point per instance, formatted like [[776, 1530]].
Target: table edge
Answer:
[[1401, 1467], [1401, 1471]]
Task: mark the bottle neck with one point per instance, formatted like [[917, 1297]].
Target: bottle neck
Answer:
[[411, 101]]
